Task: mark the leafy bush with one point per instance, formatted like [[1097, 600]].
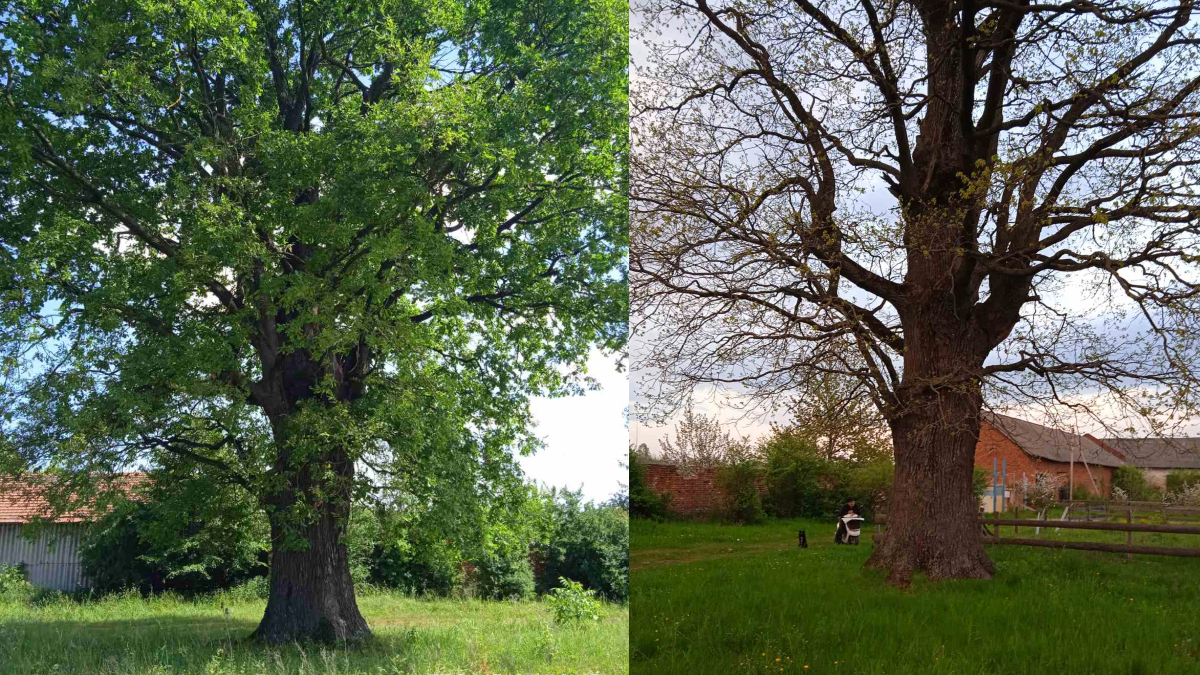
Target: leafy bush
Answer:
[[1180, 479], [571, 604], [588, 544], [738, 482], [180, 537], [423, 567], [981, 479], [252, 589], [1132, 481], [13, 585], [800, 481], [505, 575], [643, 501], [871, 483]]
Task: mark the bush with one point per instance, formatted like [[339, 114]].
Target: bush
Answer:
[[257, 588], [643, 501], [800, 481], [182, 538], [981, 480], [1132, 481], [424, 567], [870, 484], [1180, 479], [738, 482], [571, 604], [13, 585], [505, 576], [588, 544]]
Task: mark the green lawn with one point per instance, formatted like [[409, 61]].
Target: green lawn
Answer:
[[726, 599], [129, 635]]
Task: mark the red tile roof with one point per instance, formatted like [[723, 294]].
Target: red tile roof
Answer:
[[23, 499]]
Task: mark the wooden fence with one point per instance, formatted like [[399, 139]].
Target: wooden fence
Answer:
[[1128, 527]]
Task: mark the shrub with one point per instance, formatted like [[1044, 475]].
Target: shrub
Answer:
[[981, 479], [181, 539], [1179, 479], [252, 589], [505, 575], [871, 483], [643, 501], [800, 481], [571, 604], [423, 567], [1132, 481], [588, 544], [13, 585], [738, 482]]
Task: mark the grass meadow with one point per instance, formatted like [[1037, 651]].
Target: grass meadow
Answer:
[[711, 598], [128, 635]]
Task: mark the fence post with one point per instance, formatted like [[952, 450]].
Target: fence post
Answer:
[[1129, 532]]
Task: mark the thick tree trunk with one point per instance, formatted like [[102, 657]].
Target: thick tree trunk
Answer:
[[311, 592], [932, 514]]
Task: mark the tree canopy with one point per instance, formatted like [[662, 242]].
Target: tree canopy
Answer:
[[320, 250]]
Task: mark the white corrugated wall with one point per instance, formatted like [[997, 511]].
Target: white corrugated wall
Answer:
[[46, 567]]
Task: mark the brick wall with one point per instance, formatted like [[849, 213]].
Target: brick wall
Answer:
[[692, 496], [994, 444]]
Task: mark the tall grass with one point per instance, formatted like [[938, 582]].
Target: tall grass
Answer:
[[746, 599], [127, 635]]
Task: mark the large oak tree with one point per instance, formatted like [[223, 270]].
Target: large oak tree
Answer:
[[319, 250], [980, 197]]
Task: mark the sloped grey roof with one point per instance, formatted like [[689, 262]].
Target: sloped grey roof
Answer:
[[1052, 444], [1158, 453]]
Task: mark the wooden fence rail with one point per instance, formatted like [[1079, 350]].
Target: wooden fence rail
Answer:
[[1128, 527], [1083, 525]]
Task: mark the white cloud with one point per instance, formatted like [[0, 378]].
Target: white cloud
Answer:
[[585, 436]]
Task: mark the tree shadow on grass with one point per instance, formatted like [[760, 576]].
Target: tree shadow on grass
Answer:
[[178, 643]]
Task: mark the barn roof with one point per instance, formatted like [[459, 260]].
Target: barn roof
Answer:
[[24, 498], [1049, 443], [1158, 453]]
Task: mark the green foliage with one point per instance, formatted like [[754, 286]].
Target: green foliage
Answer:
[[267, 267], [981, 480], [871, 483], [1179, 479], [571, 604], [643, 501], [13, 585], [1132, 480], [181, 535], [424, 567], [588, 544], [802, 482], [505, 576], [738, 482]]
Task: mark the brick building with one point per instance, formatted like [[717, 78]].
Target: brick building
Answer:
[[1157, 457], [1031, 448]]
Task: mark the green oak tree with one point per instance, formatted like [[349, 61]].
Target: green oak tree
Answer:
[[321, 250]]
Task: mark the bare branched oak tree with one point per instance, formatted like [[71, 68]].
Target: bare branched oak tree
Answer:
[[982, 198]]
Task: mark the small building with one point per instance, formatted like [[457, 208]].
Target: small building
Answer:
[[52, 561], [1157, 457], [1032, 448]]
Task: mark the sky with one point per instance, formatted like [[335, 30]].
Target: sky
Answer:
[[585, 436]]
